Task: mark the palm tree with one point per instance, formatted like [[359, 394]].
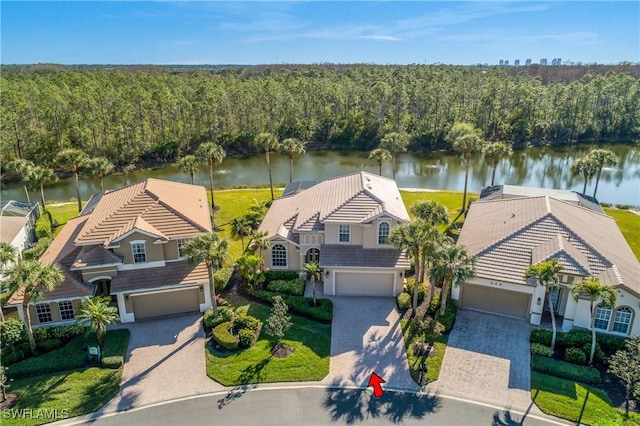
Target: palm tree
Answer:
[[411, 237], [380, 155], [100, 167], [495, 151], [259, 241], [21, 168], [602, 157], [240, 227], [189, 164], [430, 211], [292, 147], [37, 178], [267, 142], [314, 273], [395, 142], [454, 266], [594, 290], [213, 154], [96, 314], [250, 266], [585, 167], [212, 250], [73, 159], [32, 279], [547, 275], [466, 140]]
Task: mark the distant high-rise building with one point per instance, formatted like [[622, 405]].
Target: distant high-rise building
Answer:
[[516, 63], [506, 62], [527, 62], [543, 61], [501, 62]]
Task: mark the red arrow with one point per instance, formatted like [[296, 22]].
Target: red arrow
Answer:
[[376, 381]]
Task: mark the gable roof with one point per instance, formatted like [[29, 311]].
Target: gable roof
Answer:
[[355, 198], [513, 191], [510, 234], [163, 208], [10, 226]]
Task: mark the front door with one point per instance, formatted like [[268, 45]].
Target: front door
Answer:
[[554, 294]]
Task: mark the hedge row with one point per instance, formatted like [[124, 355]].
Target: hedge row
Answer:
[[565, 370], [246, 327], [225, 313], [279, 275], [222, 278], [223, 337], [578, 339], [300, 305], [294, 287]]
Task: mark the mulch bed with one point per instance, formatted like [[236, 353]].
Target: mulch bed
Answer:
[[12, 400], [283, 351]]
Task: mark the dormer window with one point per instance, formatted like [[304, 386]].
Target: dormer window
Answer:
[[181, 243], [344, 233], [139, 251], [383, 232]]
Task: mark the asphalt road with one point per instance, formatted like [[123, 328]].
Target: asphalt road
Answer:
[[315, 406]]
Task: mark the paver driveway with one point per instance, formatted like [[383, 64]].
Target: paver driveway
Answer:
[[487, 359], [165, 361], [365, 338]]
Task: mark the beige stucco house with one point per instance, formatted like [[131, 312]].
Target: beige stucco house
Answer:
[[508, 235], [343, 224], [126, 244]]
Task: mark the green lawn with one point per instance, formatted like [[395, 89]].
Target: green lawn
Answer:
[[576, 402], [309, 361], [433, 363], [61, 213], [452, 200], [629, 224], [55, 396]]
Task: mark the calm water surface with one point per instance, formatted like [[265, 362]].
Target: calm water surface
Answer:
[[539, 167]]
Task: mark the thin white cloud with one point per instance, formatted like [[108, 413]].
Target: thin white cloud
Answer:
[[381, 37]]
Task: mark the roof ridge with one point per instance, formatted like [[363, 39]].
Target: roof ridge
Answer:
[[160, 201], [343, 204], [522, 228], [587, 209]]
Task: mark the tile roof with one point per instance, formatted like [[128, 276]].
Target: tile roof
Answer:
[[507, 234], [10, 226], [351, 255], [95, 256], [168, 209], [173, 273], [355, 198], [512, 191]]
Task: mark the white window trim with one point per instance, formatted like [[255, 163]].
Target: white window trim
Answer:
[[378, 233], [44, 304], [144, 245], [72, 310], [340, 233], [286, 256], [611, 311], [629, 324], [184, 240]]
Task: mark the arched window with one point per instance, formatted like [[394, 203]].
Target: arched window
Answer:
[[313, 255], [603, 315], [278, 256], [622, 320], [383, 232]]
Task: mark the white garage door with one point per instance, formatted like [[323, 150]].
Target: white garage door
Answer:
[[166, 303], [364, 284], [495, 300]]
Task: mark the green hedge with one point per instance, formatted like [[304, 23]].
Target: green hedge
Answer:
[[294, 287], [575, 356], [279, 275], [576, 338], [247, 322], [73, 355], [449, 318], [223, 337], [565, 370], [222, 278], [422, 289], [404, 301], [541, 350], [43, 227], [225, 313], [300, 305]]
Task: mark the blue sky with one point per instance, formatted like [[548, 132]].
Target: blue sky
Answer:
[[264, 32]]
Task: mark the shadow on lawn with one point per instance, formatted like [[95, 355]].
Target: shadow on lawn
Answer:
[[356, 405], [249, 379]]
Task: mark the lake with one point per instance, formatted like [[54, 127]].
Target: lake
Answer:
[[546, 167]]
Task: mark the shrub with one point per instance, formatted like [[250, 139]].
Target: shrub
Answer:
[[40, 334], [575, 356], [420, 348], [225, 313], [113, 362], [565, 370], [43, 227], [247, 322], [323, 311], [404, 301], [49, 344], [223, 337], [426, 328], [222, 278], [293, 287], [422, 289], [17, 353], [434, 305], [541, 350], [449, 318], [13, 332], [279, 275], [598, 354], [246, 337], [542, 337], [611, 344], [573, 339], [65, 332]]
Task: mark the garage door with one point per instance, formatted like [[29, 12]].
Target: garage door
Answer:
[[363, 284], [496, 300], [166, 303]]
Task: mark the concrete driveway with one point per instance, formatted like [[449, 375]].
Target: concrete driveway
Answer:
[[487, 359], [365, 338], [165, 361]]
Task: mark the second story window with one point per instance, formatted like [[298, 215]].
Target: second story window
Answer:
[[44, 312], [344, 233], [139, 252], [181, 243], [383, 233], [66, 310]]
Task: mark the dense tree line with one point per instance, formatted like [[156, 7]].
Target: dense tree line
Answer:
[[153, 115]]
